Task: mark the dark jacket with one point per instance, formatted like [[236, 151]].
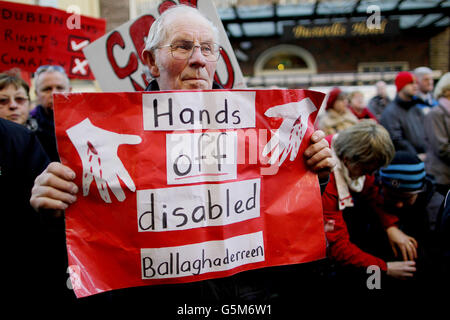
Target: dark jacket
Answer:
[[21, 160], [404, 121], [377, 105], [46, 131], [34, 247]]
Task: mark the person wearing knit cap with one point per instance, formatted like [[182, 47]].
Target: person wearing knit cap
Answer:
[[404, 175], [408, 190], [404, 78], [402, 119], [337, 116]]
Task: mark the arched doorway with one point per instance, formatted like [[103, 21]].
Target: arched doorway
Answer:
[[285, 59]]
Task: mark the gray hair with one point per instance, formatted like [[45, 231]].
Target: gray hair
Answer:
[[365, 143], [421, 71], [157, 32], [47, 69]]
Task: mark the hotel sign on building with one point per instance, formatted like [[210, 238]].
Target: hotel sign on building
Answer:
[[342, 29]]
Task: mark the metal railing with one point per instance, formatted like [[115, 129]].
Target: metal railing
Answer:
[[324, 79]]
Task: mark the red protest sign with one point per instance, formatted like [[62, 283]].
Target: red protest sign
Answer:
[[182, 186], [34, 36]]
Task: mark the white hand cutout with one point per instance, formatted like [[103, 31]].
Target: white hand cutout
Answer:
[[97, 149], [288, 137]]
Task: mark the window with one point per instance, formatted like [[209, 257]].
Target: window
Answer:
[[394, 66], [285, 59]]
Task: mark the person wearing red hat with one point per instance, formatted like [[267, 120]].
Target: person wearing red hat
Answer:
[[402, 119], [337, 116]]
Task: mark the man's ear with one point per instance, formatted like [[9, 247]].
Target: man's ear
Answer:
[[150, 61]]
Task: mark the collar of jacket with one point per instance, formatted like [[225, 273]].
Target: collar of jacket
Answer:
[[153, 86], [42, 116], [406, 104]]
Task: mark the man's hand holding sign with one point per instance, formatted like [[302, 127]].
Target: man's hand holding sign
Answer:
[[223, 218]]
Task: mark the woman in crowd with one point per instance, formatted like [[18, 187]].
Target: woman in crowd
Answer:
[[337, 116], [437, 135], [15, 100], [358, 108]]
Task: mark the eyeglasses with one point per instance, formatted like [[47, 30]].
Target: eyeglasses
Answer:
[[49, 67], [4, 101], [183, 50]]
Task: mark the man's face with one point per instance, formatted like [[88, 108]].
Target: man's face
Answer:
[[426, 83], [194, 73], [410, 89], [50, 82], [398, 199]]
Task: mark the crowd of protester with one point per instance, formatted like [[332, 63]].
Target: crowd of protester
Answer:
[[395, 207], [385, 203]]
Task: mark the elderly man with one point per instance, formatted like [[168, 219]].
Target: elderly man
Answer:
[[181, 53], [49, 79], [425, 83]]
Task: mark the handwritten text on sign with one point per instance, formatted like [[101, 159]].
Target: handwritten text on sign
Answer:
[[195, 259], [199, 110], [198, 205], [201, 156]]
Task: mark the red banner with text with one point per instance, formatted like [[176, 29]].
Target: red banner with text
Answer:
[[182, 186], [33, 36]]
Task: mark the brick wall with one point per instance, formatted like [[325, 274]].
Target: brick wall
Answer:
[[440, 51], [116, 13]]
